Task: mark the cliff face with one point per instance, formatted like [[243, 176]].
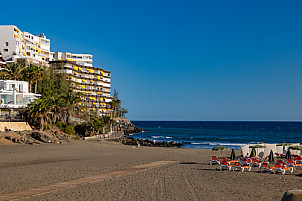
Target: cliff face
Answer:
[[127, 127], [132, 129]]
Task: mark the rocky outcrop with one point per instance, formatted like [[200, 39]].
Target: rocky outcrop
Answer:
[[131, 129], [149, 143], [35, 137], [41, 137]]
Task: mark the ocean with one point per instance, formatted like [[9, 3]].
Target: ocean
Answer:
[[209, 134]]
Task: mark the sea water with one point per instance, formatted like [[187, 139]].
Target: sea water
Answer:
[[209, 134]]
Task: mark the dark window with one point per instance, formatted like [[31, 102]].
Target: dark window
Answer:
[[5, 50], [6, 43]]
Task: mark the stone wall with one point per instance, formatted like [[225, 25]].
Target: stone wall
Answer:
[[15, 126]]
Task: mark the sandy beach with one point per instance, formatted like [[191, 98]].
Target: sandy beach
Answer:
[[190, 177]]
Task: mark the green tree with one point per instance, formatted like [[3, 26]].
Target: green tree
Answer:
[[53, 83], [38, 75], [40, 112], [50, 110], [67, 103], [31, 74], [115, 105], [57, 101], [12, 71]]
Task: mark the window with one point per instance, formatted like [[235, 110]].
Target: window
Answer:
[[5, 50], [6, 43], [21, 88]]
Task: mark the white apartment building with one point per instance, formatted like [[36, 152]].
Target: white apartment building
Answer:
[[80, 59], [15, 94], [16, 45]]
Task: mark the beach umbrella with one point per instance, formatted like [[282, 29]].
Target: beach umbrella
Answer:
[[233, 155], [288, 154], [256, 147], [271, 156], [295, 147], [220, 148], [284, 144], [253, 152]]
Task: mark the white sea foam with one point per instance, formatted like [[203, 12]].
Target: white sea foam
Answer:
[[232, 144], [217, 144], [157, 137]]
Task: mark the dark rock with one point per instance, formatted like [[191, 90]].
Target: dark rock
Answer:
[[133, 141], [41, 137], [8, 137]]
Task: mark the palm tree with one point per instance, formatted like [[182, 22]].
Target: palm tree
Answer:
[[32, 73], [38, 76], [40, 112], [114, 104], [12, 71], [3, 74], [67, 103]]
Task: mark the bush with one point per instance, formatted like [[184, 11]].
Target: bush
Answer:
[[67, 128]]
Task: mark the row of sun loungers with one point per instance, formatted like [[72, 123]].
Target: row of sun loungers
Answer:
[[247, 163]]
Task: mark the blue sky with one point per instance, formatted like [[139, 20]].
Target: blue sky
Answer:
[[183, 60]]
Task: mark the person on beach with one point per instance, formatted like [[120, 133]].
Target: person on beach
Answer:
[[153, 141], [138, 144]]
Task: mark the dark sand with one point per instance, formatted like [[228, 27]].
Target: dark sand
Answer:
[[191, 178]]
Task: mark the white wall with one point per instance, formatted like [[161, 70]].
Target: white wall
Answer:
[[7, 35]]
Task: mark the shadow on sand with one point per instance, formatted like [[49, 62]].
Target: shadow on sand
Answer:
[[188, 163]]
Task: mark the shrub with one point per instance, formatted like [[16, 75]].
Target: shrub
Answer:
[[67, 128]]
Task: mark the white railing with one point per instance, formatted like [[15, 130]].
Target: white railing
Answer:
[[19, 105]]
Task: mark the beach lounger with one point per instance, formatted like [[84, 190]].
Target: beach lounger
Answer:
[[298, 165], [281, 162], [223, 159], [239, 166], [282, 169], [256, 162], [225, 165], [265, 166], [298, 159], [214, 160], [292, 163], [245, 161]]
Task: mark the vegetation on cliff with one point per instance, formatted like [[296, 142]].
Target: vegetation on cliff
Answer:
[[58, 104]]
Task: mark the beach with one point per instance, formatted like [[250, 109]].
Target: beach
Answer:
[[188, 177]]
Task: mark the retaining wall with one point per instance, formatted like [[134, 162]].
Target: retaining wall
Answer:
[[15, 126]]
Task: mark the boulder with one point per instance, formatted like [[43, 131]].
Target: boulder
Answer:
[[41, 137]]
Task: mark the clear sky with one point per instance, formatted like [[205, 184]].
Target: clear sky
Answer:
[[182, 60]]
